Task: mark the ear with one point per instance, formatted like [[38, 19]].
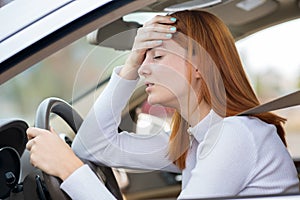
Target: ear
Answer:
[[197, 74]]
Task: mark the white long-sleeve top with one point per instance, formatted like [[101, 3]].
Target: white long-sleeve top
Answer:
[[228, 156]]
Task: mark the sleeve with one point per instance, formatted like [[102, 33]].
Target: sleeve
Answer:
[[99, 141], [225, 162], [91, 188]]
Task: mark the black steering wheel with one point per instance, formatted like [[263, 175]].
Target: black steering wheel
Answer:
[[74, 120]]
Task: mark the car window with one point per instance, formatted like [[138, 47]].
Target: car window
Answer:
[[271, 59], [67, 74]]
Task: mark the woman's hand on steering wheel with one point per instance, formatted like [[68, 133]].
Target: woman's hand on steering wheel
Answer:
[[50, 153], [54, 157]]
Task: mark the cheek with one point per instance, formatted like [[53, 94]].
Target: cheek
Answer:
[[176, 70], [163, 96], [173, 79]]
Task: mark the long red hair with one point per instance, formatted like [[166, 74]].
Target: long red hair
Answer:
[[226, 87]]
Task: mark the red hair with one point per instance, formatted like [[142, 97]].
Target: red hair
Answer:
[[226, 87]]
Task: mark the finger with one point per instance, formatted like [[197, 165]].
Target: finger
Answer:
[[32, 132], [161, 20], [143, 46], [149, 36], [158, 28], [32, 160], [149, 45], [29, 144]]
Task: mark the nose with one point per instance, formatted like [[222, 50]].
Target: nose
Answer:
[[145, 69]]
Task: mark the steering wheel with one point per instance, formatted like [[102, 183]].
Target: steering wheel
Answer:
[[74, 120]]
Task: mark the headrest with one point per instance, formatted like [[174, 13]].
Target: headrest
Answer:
[[13, 134]]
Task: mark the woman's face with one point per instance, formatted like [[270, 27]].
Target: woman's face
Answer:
[[164, 70]]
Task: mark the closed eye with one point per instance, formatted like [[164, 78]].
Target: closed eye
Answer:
[[157, 57]]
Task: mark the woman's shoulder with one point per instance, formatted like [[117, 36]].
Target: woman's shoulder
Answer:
[[237, 129], [230, 136], [247, 124], [241, 130], [236, 132], [247, 129]]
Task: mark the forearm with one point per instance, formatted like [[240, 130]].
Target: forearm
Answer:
[[101, 124], [129, 71]]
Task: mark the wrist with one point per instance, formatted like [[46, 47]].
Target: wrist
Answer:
[[129, 72], [70, 167]]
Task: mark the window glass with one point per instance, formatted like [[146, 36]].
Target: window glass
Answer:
[[153, 119], [67, 74], [271, 59]]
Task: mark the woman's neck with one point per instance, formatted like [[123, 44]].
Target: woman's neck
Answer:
[[196, 113]]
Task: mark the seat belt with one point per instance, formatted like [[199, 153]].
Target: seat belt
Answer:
[[286, 101]]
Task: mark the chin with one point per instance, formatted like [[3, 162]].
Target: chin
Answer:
[[153, 101], [157, 101], [163, 98]]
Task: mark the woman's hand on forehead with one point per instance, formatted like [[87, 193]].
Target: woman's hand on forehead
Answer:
[[154, 32], [151, 35]]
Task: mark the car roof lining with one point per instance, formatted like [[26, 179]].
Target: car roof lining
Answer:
[[244, 23], [241, 24]]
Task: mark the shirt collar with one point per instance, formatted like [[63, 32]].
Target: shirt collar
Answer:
[[200, 129]]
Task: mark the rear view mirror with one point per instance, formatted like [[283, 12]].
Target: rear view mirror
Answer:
[[118, 35]]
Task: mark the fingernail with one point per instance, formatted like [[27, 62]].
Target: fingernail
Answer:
[[159, 41], [168, 35], [173, 19], [173, 28]]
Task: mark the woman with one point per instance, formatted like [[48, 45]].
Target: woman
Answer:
[[189, 62]]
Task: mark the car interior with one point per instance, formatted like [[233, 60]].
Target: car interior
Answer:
[[53, 80]]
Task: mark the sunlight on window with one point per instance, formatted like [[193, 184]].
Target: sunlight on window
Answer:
[[271, 59]]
